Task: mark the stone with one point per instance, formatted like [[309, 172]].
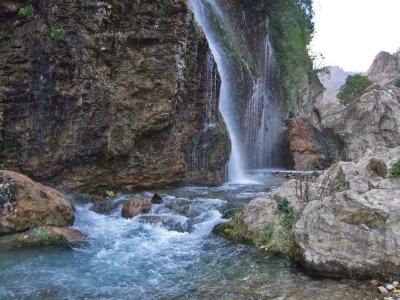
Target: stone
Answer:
[[25, 204], [383, 290], [156, 199], [43, 236], [305, 147], [135, 207], [178, 208], [127, 116], [353, 229]]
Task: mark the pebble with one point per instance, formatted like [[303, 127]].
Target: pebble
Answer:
[[383, 290]]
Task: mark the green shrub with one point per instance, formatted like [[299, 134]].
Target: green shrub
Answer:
[[58, 34], [27, 11], [396, 82], [354, 88], [395, 171]]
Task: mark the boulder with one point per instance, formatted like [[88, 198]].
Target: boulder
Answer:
[[25, 204], [43, 236], [350, 234], [135, 207], [353, 229]]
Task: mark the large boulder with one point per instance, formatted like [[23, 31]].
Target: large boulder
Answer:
[[350, 234], [25, 204], [135, 207], [353, 229]]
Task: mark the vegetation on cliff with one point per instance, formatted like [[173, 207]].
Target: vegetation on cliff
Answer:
[[291, 27], [354, 88]]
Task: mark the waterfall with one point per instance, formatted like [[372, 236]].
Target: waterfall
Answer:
[[249, 98]]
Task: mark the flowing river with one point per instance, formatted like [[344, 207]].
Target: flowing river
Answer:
[[164, 255]]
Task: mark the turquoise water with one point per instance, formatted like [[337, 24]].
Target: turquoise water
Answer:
[[167, 256]]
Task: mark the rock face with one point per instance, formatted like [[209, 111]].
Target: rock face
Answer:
[[371, 121], [345, 222], [123, 99], [306, 146], [25, 204], [353, 230], [385, 67], [135, 207]]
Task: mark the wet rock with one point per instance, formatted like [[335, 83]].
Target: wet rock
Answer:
[[106, 206], [156, 199], [135, 207], [43, 236], [25, 204], [182, 209], [125, 117], [168, 222]]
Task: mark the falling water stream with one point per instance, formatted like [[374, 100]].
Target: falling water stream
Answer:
[[253, 119]]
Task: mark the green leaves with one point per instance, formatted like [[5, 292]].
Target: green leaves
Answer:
[[58, 34], [354, 88], [27, 11], [395, 171]]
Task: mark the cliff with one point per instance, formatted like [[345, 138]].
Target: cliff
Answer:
[[120, 94], [385, 67]]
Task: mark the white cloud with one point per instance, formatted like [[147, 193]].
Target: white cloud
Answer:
[[349, 33]]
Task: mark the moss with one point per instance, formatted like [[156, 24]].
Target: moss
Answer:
[[395, 171], [58, 34], [27, 11], [236, 228], [396, 82]]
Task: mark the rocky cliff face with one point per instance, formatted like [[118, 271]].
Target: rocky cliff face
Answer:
[[127, 98], [385, 67], [370, 121]]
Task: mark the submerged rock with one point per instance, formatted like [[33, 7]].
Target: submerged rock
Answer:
[[135, 207], [43, 236], [25, 204], [156, 199]]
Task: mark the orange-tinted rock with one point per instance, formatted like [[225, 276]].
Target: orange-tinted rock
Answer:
[[25, 204], [135, 207], [305, 149]]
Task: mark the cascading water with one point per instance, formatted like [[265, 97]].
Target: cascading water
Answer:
[[236, 167], [249, 96]]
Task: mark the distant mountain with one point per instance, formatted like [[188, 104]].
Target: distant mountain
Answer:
[[385, 67], [332, 79]]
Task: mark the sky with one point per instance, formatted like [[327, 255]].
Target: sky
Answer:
[[350, 33]]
